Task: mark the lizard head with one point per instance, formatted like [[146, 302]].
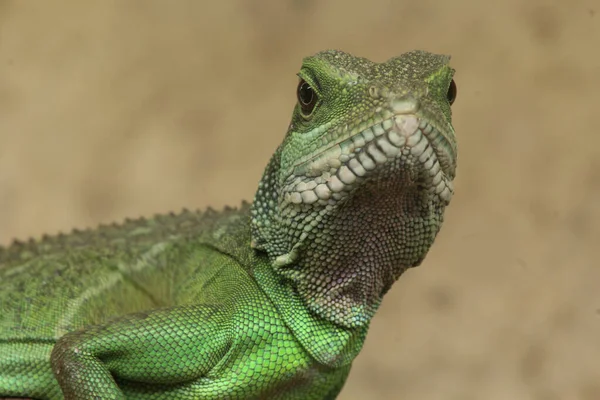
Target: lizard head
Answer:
[[370, 155]]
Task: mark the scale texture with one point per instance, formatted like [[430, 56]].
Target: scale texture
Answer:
[[267, 301]]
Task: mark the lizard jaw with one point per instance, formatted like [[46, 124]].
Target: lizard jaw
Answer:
[[328, 177]]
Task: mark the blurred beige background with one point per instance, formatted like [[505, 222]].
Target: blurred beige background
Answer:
[[112, 109]]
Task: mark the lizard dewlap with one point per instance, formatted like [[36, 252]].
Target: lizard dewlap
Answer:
[[269, 301]]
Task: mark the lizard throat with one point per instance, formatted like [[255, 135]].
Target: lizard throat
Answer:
[[347, 222], [361, 248]]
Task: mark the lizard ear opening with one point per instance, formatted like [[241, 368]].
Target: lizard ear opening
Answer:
[[307, 97]]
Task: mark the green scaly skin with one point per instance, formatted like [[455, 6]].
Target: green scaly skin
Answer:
[[269, 301]]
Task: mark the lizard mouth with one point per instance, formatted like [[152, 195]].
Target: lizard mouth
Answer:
[[329, 176]]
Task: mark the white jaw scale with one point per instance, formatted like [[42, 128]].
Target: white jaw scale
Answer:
[[324, 178]]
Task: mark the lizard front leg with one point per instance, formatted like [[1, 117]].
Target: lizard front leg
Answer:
[[155, 352]]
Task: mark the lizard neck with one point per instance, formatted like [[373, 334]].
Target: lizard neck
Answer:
[[329, 343]]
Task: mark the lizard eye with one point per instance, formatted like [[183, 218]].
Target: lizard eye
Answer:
[[451, 95], [306, 97]]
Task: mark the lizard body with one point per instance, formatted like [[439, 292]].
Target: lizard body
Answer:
[[271, 300]]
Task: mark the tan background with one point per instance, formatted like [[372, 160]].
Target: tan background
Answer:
[[111, 109]]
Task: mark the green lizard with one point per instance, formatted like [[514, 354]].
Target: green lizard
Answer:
[[269, 301]]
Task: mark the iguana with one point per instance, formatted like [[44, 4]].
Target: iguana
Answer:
[[268, 301]]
